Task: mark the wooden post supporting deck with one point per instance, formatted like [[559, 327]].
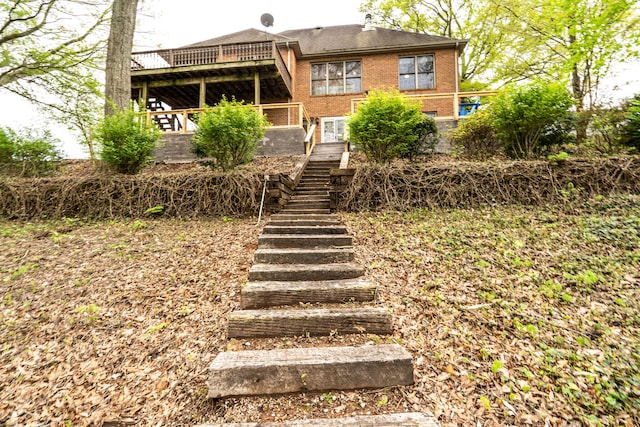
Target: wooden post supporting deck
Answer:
[[256, 97], [203, 93]]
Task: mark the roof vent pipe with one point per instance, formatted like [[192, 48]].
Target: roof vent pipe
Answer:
[[368, 26]]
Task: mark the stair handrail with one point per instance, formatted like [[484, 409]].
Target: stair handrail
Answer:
[[264, 192]]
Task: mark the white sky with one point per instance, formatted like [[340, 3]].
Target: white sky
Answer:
[[169, 24]]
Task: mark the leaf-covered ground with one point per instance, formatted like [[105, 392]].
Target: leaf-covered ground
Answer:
[[514, 316]]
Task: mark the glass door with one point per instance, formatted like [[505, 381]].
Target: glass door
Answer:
[[333, 129]]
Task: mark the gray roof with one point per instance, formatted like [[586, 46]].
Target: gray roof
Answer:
[[351, 38], [250, 35], [341, 39]]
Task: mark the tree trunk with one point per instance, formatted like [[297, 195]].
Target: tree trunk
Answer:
[[118, 67]]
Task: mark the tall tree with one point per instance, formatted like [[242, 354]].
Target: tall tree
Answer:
[[44, 48], [576, 41], [118, 66], [480, 21]]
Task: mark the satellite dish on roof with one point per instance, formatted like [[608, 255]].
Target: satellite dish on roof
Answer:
[[267, 20]]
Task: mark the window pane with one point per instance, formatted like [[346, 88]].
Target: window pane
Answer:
[[318, 71], [425, 64], [425, 81], [354, 85], [336, 86], [319, 87], [407, 65], [407, 81], [353, 69], [336, 70]]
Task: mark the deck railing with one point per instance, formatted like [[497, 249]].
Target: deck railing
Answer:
[[209, 55], [282, 115], [459, 108]]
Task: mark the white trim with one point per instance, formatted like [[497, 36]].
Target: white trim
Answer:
[[346, 129]]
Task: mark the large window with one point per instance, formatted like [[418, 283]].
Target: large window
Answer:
[[333, 78], [416, 72]]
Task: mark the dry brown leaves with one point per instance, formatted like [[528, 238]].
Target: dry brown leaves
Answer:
[[515, 315], [115, 321]]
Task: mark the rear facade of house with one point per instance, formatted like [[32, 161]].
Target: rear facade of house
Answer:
[[298, 78]]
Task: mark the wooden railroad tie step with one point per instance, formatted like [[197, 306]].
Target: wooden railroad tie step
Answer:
[[290, 210], [304, 241], [303, 222], [241, 373], [409, 419], [297, 272], [303, 256], [290, 217], [304, 229], [269, 294], [315, 322]]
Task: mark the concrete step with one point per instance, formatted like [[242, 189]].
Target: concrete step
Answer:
[[304, 229], [293, 210], [413, 419], [303, 256], [242, 373], [304, 241], [269, 294], [312, 322], [306, 272]]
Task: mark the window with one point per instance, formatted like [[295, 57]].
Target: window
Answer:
[[333, 78], [416, 72]]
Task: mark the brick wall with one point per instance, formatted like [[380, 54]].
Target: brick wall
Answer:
[[378, 71]]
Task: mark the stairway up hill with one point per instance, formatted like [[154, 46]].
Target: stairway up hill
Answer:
[[303, 270]]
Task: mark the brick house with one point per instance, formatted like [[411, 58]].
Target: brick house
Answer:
[[298, 78]]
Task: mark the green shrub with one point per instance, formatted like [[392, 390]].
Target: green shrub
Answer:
[[605, 129], [29, 152], [630, 132], [385, 125], [127, 141], [7, 146], [476, 136], [229, 133], [525, 116], [426, 141], [36, 152]]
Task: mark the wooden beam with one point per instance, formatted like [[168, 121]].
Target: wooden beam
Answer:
[[197, 80], [266, 294], [256, 81], [203, 93], [238, 373], [205, 67], [413, 419], [144, 94], [317, 322]]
